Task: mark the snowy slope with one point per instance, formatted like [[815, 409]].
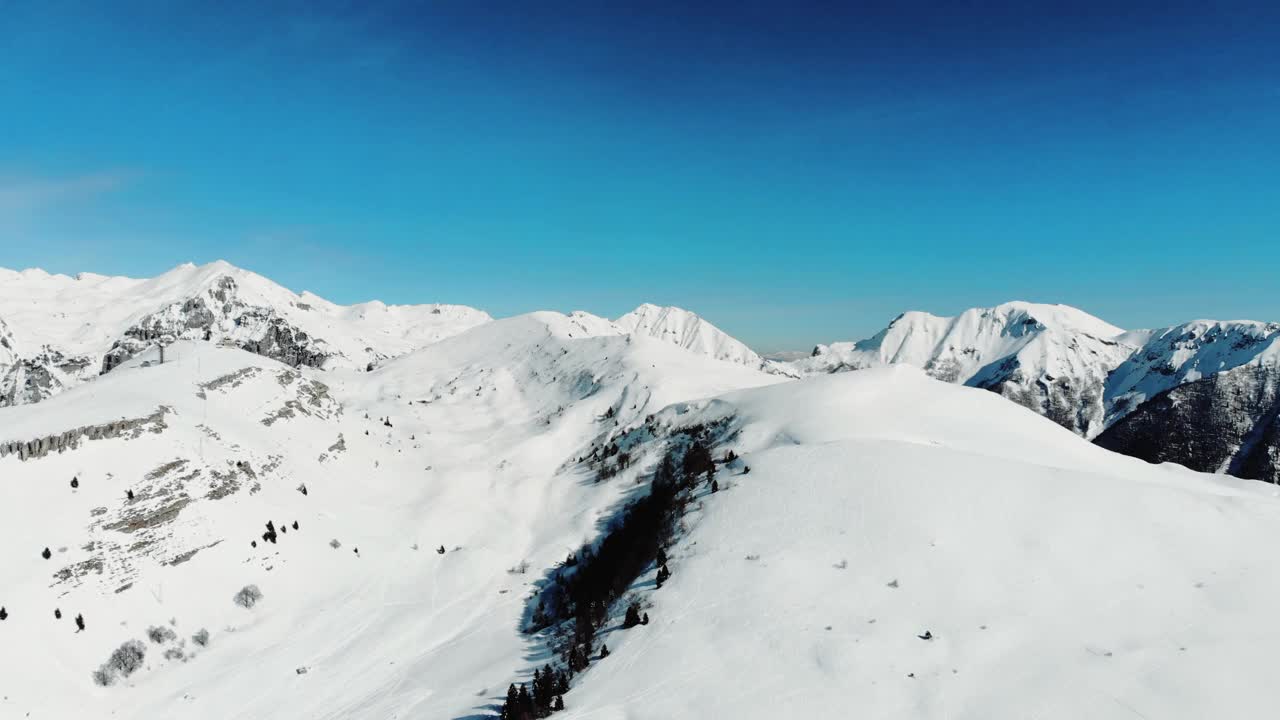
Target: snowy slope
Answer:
[[1057, 580], [216, 442], [1053, 359], [61, 330]]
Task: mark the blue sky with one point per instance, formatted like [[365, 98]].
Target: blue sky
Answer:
[[796, 172]]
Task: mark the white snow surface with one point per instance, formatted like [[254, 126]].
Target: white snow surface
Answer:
[[1057, 580], [482, 425]]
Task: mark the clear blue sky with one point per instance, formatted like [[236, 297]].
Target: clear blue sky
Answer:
[[795, 172]]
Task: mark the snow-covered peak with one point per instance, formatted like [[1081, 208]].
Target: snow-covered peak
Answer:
[[67, 329], [1051, 358], [1186, 353], [689, 331], [958, 348]]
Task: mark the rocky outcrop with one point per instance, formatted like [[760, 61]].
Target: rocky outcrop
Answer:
[[1226, 422], [219, 314], [32, 379], [1074, 402], [70, 439]]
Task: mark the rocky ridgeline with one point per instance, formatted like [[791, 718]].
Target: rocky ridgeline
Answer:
[[218, 314], [60, 442]]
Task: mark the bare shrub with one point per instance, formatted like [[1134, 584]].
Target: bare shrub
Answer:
[[124, 661], [248, 596], [160, 634]]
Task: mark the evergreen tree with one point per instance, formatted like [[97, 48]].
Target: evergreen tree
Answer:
[[511, 707], [559, 704], [129, 495], [4, 614], [526, 703], [663, 575], [46, 554], [715, 486], [697, 460], [633, 616], [644, 620], [604, 651], [57, 613], [75, 483], [79, 622]]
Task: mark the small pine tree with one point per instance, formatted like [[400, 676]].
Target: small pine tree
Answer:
[[4, 614], [525, 702], [57, 613], [46, 554], [79, 622], [75, 483], [715, 486], [644, 620], [604, 651], [633, 616], [512, 705], [129, 495], [663, 575], [562, 683], [559, 704]]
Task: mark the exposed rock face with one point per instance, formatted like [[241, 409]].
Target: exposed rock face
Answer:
[[1075, 403], [59, 442], [219, 314], [32, 379], [1226, 422], [1201, 394]]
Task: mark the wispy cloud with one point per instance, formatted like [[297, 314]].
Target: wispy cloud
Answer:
[[27, 194]]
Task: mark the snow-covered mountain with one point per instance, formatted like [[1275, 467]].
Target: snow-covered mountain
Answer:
[[57, 331], [1205, 394], [1132, 390], [469, 446], [691, 332], [437, 498], [259, 524], [1053, 359]]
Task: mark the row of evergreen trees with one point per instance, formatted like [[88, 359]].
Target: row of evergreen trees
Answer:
[[549, 687], [588, 583]]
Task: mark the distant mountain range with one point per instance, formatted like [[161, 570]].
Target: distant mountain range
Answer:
[[1203, 394]]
